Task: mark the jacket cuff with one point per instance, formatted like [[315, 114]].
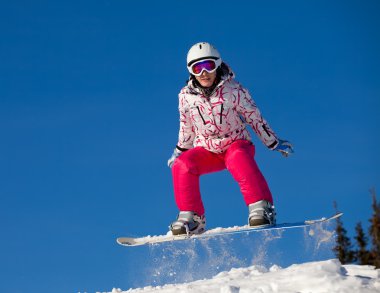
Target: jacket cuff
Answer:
[[273, 145], [181, 149]]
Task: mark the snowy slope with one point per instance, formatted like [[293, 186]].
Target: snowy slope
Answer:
[[325, 276]]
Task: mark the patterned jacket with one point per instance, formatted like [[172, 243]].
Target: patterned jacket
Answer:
[[216, 121]]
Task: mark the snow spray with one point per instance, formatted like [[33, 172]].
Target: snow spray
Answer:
[[196, 259]]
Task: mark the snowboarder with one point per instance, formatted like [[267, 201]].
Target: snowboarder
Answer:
[[214, 111]]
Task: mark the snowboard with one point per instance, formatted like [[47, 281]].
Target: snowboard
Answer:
[[132, 241]]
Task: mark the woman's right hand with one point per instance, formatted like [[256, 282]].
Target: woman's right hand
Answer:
[[174, 156]]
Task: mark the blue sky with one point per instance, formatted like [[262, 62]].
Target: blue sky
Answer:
[[88, 119]]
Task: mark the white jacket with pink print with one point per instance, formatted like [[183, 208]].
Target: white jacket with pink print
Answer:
[[216, 121]]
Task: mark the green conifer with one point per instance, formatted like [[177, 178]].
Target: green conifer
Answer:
[[374, 231], [343, 249], [362, 254]]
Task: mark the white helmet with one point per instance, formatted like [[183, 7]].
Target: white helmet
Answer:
[[202, 51]]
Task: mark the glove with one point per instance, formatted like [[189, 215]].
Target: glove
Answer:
[[174, 156], [284, 147]]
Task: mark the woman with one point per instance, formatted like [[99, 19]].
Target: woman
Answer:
[[214, 111]]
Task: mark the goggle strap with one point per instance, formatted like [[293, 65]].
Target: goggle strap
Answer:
[[200, 59]]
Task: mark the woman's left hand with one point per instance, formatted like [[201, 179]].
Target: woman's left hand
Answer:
[[284, 147]]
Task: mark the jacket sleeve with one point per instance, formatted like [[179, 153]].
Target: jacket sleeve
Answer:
[[186, 130], [247, 108]]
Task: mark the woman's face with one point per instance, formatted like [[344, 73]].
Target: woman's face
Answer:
[[206, 79]]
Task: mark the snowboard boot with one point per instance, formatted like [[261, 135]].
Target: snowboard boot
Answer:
[[188, 223], [261, 214]]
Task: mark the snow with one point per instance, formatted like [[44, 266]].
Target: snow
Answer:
[[276, 260], [318, 277]]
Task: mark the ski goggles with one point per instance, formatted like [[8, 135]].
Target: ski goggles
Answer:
[[210, 65]]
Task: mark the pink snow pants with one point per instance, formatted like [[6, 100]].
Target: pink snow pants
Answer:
[[238, 159]]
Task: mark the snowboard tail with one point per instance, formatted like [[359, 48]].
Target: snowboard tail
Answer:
[[132, 241]]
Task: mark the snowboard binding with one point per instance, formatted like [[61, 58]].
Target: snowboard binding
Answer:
[[188, 223]]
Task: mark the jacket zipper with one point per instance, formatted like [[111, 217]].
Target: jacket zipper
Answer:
[[221, 114], [200, 114], [266, 130]]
